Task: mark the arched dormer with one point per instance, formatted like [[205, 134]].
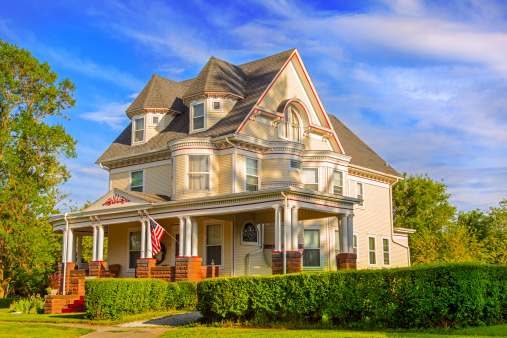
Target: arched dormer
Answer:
[[296, 120]]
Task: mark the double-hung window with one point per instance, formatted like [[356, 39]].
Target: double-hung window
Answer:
[[198, 172], [252, 174], [337, 182], [198, 116], [312, 250], [139, 130], [134, 248], [372, 251], [214, 244], [294, 165], [311, 178], [385, 251], [136, 181], [360, 193]]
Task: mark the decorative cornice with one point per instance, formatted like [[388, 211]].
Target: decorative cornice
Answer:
[[271, 185], [372, 175]]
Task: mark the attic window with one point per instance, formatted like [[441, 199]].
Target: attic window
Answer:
[[154, 120], [139, 130], [198, 116], [217, 105]]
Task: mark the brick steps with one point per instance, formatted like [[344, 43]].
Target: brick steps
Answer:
[[64, 304]]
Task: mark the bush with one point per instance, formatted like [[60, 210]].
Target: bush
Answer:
[[5, 303], [446, 295], [112, 298], [32, 304]]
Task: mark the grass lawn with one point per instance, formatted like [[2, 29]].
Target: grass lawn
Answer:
[[37, 330], [490, 331], [79, 318]]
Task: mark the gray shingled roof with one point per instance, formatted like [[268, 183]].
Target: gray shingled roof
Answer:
[[160, 93], [361, 154], [218, 76], [258, 74]]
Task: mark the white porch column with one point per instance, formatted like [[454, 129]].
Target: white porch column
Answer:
[[294, 230], [188, 236], [64, 246], [287, 224], [70, 245], [194, 236], [95, 242], [278, 225], [149, 246], [350, 232], [182, 236], [100, 243], [143, 238], [344, 243], [79, 257]]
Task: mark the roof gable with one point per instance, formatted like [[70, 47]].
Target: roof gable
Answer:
[[119, 198]]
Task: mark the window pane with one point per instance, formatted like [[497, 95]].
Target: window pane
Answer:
[[214, 255], [311, 257], [137, 179], [139, 136], [371, 241], [312, 239], [216, 105], [355, 244], [135, 241], [282, 129], [295, 164], [337, 182], [198, 123], [133, 257], [250, 233], [252, 183], [386, 258], [154, 120], [310, 175], [198, 110], [198, 181], [139, 124], [337, 242], [251, 166], [360, 189], [214, 234], [198, 163], [385, 244], [373, 259]]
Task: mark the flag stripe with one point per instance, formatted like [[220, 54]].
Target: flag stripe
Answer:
[[156, 234]]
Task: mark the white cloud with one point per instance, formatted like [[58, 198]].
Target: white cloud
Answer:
[[112, 114]]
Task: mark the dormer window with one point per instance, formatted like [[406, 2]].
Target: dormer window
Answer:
[[154, 120], [139, 130], [198, 116], [216, 105]]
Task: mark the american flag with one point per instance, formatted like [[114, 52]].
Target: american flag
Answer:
[[156, 234]]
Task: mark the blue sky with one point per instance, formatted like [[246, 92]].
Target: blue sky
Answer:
[[422, 82]]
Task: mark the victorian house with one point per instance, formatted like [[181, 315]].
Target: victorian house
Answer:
[[245, 170]]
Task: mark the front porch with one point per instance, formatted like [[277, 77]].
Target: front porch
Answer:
[[254, 233]]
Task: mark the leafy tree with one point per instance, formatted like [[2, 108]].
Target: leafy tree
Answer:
[[419, 202], [30, 162], [496, 242]]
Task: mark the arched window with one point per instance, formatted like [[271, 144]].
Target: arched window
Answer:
[[250, 234], [291, 128]]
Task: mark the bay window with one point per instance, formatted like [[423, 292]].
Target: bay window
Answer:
[[198, 172]]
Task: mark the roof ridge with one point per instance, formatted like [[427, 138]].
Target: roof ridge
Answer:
[[249, 62]]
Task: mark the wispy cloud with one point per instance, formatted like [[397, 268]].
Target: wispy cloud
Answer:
[[112, 114]]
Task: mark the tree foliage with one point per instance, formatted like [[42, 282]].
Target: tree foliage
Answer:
[[31, 170]]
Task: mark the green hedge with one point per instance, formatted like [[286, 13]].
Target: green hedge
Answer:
[[112, 298], [449, 295], [5, 303]]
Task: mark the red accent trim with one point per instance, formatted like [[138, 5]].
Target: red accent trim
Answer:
[[115, 199], [369, 179], [67, 263], [276, 251], [343, 165], [192, 148], [96, 261], [400, 235], [292, 251]]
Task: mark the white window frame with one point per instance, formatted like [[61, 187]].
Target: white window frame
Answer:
[[187, 170], [295, 169], [220, 109], [388, 252], [318, 177], [258, 233], [203, 102], [205, 251], [321, 267], [360, 206], [343, 182], [337, 231], [376, 258], [159, 116], [290, 122], [356, 236], [134, 119], [129, 231], [258, 173], [281, 126], [130, 180]]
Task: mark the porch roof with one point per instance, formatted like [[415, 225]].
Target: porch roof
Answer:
[[204, 206]]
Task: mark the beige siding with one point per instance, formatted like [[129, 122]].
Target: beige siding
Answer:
[[313, 144], [260, 130], [159, 180], [240, 173], [120, 180], [277, 170], [225, 176]]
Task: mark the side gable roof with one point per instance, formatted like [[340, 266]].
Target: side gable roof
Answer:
[[362, 155], [218, 76], [258, 76]]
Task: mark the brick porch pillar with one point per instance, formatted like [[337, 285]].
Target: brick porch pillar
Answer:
[[144, 266], [293, 262], [70, 267], [346, 261], [188, 269], [96, 268]]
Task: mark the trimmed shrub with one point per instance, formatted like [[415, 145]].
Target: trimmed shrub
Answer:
[[112, 298], [5, 303], [444, 295]]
